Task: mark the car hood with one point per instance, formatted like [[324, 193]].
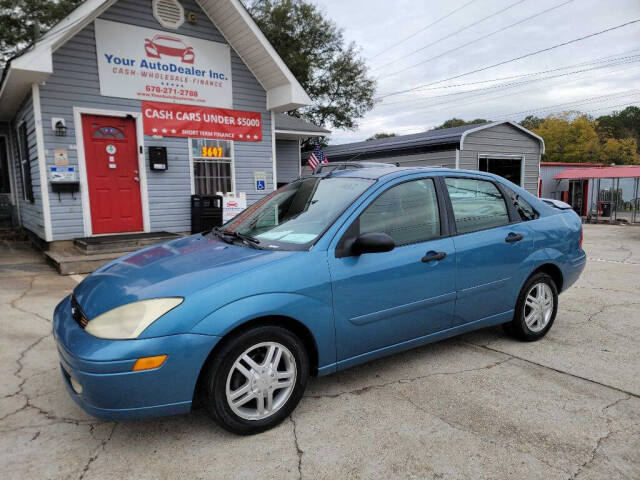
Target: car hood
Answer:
[[173, 269]]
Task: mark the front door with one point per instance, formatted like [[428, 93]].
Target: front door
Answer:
[[111, 156], [384, 299]]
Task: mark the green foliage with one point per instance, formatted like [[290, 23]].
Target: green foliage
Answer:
[[22, 20], [381, 135], [314, 49], [531, 122], [575, 137], [458, 122], [619, 125]]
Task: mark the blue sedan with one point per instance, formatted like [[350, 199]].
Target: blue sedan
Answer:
[[328, 272]]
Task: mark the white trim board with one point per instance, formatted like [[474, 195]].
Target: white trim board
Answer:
[[42, 162], [274, 167], [82, 164]]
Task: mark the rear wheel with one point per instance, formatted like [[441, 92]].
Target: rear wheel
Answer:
[[535, 309], [256, 380]]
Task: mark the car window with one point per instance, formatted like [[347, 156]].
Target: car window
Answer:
[[524, 209], [477, 204], [408, 213]]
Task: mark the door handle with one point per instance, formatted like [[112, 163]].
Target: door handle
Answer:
[[513, 237], [432, 256], [137, 179]]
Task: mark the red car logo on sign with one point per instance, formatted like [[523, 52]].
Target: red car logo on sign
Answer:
[[166, 45]]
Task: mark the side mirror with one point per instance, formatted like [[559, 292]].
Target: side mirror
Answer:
[[372, 243]]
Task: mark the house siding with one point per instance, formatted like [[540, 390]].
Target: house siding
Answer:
[[287, 160], [31, 215], [75, 83], [499, 140]]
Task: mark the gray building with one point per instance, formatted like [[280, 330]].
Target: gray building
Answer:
[[504, 148], [117, 115]]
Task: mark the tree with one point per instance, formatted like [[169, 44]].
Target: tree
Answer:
[[21, 21], [569, 137], [314, 49], [381, 135], [620, 152], [620, 125], [458, 122], [531, 122]]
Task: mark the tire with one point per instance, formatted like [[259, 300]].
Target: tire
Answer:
[[525, 326], [240, 379]]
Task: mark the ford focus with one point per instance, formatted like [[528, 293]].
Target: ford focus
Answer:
[[323, 274]]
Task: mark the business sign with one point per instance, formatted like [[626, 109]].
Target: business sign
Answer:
[[170, 120], [146, 64], [232, 205]]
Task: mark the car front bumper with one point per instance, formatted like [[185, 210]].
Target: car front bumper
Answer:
[[98, 372]]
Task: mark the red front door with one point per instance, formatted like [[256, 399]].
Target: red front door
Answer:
[[111, 155]]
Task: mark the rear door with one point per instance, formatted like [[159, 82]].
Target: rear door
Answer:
[[491, 248], [384, 299]]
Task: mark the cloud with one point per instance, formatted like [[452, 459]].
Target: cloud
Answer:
[[377, 24]]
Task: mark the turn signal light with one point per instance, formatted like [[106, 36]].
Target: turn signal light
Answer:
[[147, 363]]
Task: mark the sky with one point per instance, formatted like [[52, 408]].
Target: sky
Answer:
[[419, 44]]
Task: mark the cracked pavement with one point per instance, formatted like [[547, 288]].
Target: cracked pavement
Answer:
[[477, 406]]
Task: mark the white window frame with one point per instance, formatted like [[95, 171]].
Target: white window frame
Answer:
[[502, 156], [191, 164]]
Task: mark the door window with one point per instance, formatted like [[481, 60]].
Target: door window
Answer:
[[408, 213], [477, 204]]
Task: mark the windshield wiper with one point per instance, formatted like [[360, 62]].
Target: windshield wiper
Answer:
[[247, 239]]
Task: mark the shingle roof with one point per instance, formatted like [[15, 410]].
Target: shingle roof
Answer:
[[294, 124], [432, 137]]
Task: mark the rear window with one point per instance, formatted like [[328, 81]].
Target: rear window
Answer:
[[477, 204], [524, 209]]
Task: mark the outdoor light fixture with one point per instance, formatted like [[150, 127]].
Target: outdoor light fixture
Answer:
[[59, 127]]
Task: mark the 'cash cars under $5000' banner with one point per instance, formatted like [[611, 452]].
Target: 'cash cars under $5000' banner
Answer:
[[146, 64], [172, 120]]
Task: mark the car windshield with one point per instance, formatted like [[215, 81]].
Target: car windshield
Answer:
[[294, 216]]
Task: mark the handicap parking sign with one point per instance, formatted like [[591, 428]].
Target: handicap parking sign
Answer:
[[260, 181]]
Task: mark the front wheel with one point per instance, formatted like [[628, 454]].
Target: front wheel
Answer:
[[257, 379], [536, 308]]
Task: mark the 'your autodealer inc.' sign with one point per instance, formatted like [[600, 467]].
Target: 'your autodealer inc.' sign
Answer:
[[146, 64]]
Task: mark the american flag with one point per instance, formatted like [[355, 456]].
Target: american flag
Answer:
[[317, 157]]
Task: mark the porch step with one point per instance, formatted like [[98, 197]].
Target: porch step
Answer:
[[74, 261], [121, 243]]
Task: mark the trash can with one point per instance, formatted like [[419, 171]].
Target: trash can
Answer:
[[206, 212]]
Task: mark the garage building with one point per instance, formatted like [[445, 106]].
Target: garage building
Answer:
[[503, 148]]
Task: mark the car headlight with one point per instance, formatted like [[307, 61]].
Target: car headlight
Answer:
[[130, 320]]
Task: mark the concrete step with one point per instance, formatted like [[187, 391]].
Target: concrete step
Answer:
[[74, 261], [121, 243]]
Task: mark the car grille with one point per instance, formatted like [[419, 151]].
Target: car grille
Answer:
[[77, 313]]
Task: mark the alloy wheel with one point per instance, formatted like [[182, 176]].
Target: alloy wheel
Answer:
[[538, 307], [261, 380]]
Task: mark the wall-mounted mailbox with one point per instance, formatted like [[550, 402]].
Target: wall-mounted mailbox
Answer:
[[158, 158], [64, 180]]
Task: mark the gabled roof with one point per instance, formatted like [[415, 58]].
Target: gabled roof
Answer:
[[288, 127], [445, 136], [233, 21]]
